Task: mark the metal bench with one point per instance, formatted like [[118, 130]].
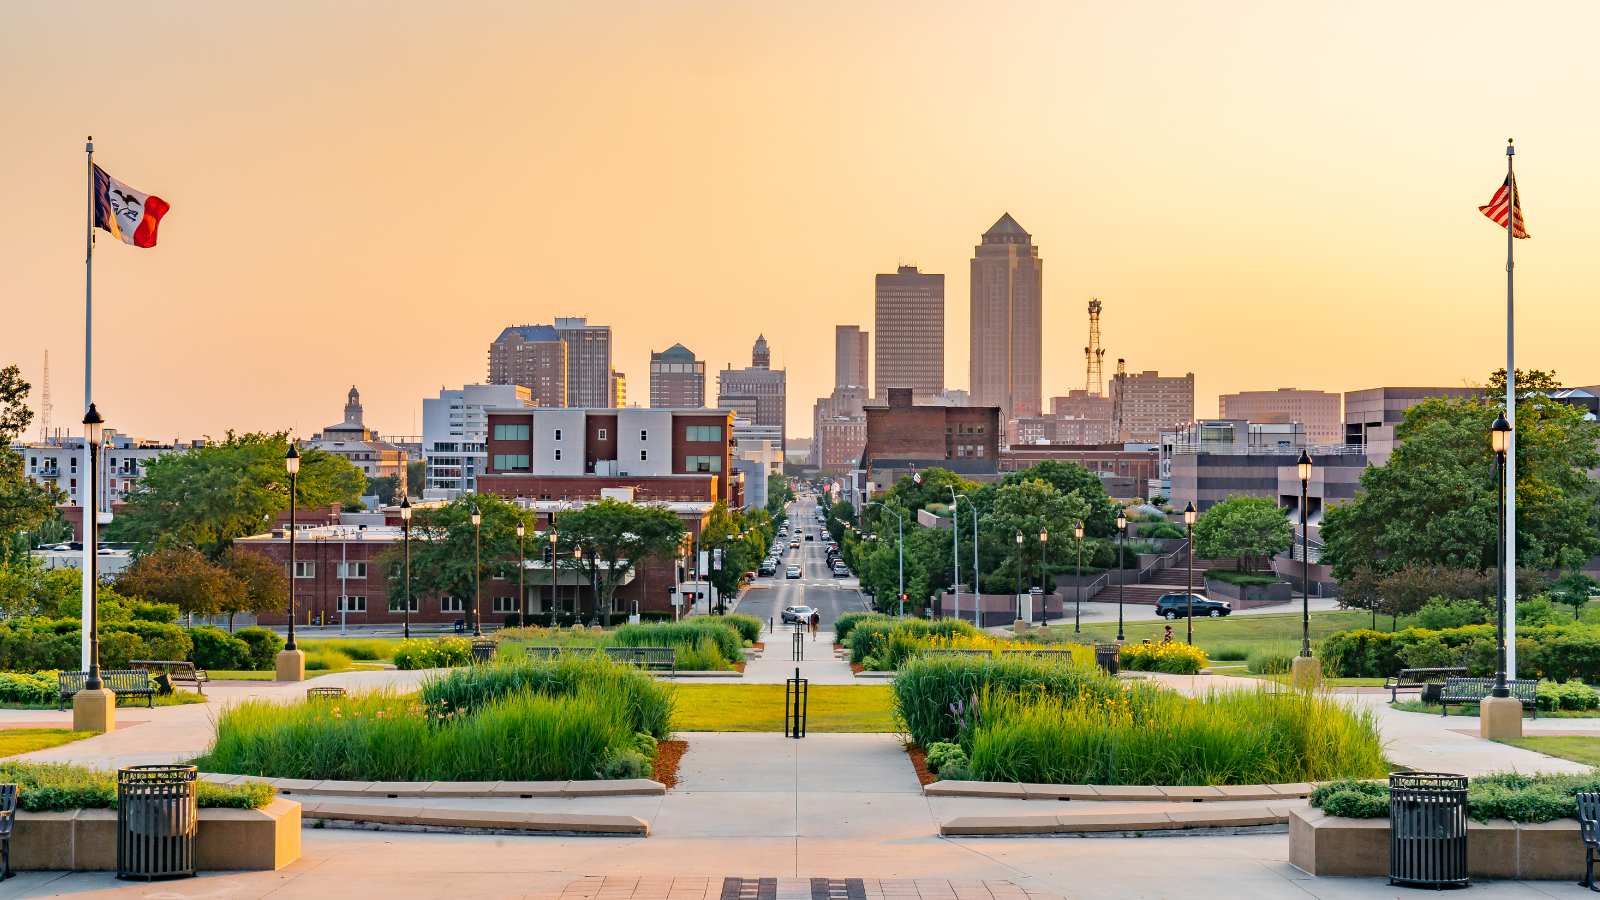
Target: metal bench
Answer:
[[324, 693], [1461, 691], [175, 670], [483, 650], [135, 682], [1399, 682], [8, 822], [661, 658], [1589, 827], [553, 652]]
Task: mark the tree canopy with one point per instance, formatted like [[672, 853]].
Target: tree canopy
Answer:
[[206, 497], [1243, 527], [621, 537], [23, 504]]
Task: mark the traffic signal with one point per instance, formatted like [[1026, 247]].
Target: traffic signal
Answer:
[[681, 576], [549, 556]]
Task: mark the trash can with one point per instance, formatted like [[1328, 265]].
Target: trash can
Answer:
[[157, 815], [482, 651], [1109, 656], [1428, 829]]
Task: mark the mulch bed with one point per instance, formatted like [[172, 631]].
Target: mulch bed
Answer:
[[857, 668], [919, 761], [668, 754]]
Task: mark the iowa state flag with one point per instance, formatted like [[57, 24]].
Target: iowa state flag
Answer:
[[132, 217]]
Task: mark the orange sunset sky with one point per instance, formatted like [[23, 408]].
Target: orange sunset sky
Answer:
[[1267, 194]]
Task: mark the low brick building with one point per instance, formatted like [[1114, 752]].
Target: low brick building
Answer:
[[904, 432]]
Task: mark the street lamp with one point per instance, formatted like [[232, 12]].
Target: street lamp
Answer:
[[1019, 576], [92, 432], [291, 661], [522, 571], [477, 572], [555, 604], [1304, 467], [1500, 441], [955, 551], [1122, 549], [405, 520], [1077, 616], [902, 546], [1188, 523]]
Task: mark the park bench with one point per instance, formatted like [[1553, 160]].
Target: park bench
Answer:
[[327, 693], [175, 670], [8, 822], [121, 681], [1461, 691], [1589, 827], [663, 658], [553, 652], [483, 650], [1407, 680]]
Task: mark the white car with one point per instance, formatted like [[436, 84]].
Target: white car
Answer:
[[792, 572]]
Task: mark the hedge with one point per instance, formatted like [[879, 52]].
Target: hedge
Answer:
[[1506, 795], [1556, 652]]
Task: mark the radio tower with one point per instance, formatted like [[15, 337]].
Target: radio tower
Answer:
[[44, 403], [1096, 386]]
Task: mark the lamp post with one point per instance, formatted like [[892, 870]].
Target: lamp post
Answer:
[[405, 521], [1306, 670], [291, 660], [1122, 549], [955, 548], [477, 571], [901, 542], [522, 571], [95, 707], [1499, 715], [555, 605], [1077, 616], [1019, 575], [1188, 523]]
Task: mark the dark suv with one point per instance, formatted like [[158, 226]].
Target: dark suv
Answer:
[[1176, 606]]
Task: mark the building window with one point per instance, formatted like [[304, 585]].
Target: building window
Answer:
[[703, 463], [305, 570], [644, 435], [398, 604], [352, 604], [514, 462], [558, 454], [505, 605], [703, 433], [452, 604], [644, 455], [351, 570], [511, 433], [602, 434], [558, 434]]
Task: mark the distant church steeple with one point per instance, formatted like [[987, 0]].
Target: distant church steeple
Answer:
[[352, 407], [760, 356]]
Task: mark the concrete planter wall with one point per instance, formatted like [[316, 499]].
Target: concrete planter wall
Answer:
[[229, 840], [1255, 595], [1326, 845]]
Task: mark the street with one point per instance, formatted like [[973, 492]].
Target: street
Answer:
[[816, 587]]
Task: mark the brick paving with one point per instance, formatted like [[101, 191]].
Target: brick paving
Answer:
[[624, 887]]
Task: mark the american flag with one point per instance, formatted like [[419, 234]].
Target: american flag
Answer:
[[1506, 204]]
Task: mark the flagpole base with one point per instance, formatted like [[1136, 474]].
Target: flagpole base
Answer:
[[1500, 718]]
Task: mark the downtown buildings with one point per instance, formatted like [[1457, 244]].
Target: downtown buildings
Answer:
[[565, 364], [1318, 411], [758, 393], [909, 309], [677, 379], [1007, 318]]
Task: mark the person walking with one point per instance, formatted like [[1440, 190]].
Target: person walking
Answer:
[[816, 623]]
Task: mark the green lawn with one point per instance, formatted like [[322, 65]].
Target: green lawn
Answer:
[[759, 707], [27, 740], [1274, 628], [1585, 750]]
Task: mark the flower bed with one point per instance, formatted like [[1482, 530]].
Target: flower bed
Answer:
[[704, 644], [1506, 795], [1171, 658]]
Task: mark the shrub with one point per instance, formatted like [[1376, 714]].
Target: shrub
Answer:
[[872, 637], [37, 687], [749, 627], [1574, 695], [1352, 799], [846, 623], [264, 644], [624, 763], [1537, 613], [655, 616], [56, 787], [684, 635], [1270, 660], [1229, 653], [327, 659], [933, 695], [1440, 613], [1145, 734], [1160, 530], [943, 752], [1172, 658], [1241, 579], [214, 649], [441, 653], [650, 703], [513, 620]]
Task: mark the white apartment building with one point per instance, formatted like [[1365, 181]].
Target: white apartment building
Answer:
[[455, 428], [62, 462]]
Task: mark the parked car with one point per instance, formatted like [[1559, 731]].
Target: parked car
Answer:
[[767, 570], [749, 576], [792, 572], [1176, 606], [796, 614], [840, 570]]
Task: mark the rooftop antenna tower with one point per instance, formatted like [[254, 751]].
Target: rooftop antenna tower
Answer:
[[1094, 355], [44, 403]]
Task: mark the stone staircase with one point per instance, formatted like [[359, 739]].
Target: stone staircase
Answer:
[[1172, 580]]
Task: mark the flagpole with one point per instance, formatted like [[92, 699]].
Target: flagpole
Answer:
[[1511, 417], [85, 528]]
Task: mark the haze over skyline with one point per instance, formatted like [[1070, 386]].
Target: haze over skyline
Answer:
[[1267, 195]]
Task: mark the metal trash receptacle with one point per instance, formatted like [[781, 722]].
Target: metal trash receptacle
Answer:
[[157, 817], [1109, 656], [483, 651], [1428, 829]]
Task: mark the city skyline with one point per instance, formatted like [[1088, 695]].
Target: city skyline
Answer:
[[1195, 223]]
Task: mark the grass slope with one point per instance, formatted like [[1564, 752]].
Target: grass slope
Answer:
[[759, 707], [1585, 750]]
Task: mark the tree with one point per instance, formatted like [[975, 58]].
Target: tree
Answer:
[[206, 497], [186, 579], [23, 504], [416, 477], [1243, 527], [1574, 588], [934, 488], [1100, 516], [620, 537], [1434, 503], [452, 557], [265, 583], [1029, 507], [386, 487]]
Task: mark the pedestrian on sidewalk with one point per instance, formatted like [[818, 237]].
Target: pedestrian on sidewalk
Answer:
[[816, 623]]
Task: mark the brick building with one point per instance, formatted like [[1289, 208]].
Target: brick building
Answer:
[[1318, 411], [902, 436], [1148, 403], [759, 392], [677, 379], [1126, 472], [534, 356]]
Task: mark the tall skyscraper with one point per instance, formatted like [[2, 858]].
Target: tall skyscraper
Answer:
[[677, 379], [534, 356], [758, 393], [850, 347], [1007, 318], [589, 379], [910, 324]]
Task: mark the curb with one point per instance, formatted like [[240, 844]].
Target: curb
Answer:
[[1122, 822], [1124, 793], [492, 820], [439, 789]]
